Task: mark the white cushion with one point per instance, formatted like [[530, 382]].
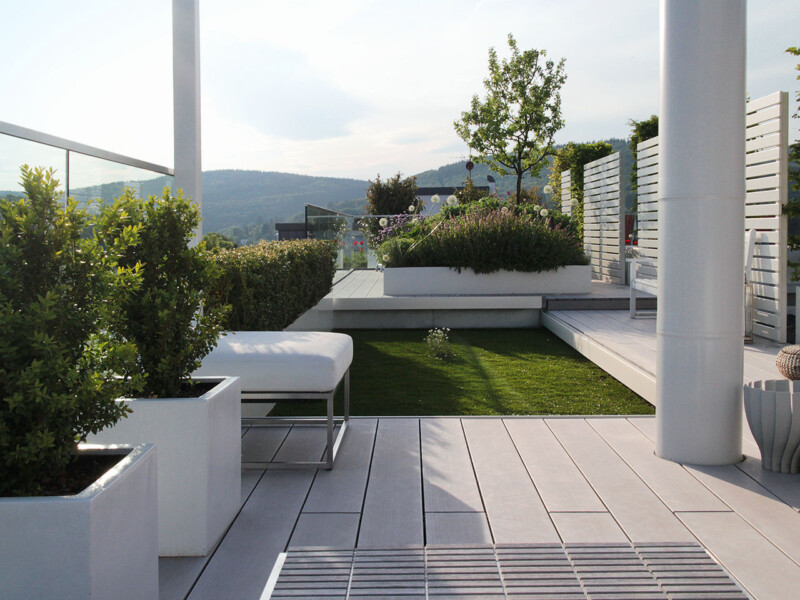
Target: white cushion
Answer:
[[281, 361]]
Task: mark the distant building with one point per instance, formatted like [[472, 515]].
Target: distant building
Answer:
[[291, 231]]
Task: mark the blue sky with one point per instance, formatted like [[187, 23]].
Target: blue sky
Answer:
[[344, 88]]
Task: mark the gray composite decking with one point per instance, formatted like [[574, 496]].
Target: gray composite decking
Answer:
[[626, 348], [497, 482], [436, 484]]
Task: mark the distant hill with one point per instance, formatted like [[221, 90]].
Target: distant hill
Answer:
[[238, 198], [245, 205]]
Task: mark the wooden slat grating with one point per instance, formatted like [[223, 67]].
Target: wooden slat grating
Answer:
[[646, 571]]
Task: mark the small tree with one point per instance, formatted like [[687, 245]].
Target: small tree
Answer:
[[512, 130], [394, 197], [217, 241]]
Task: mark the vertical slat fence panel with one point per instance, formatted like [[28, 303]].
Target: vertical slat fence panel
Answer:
[[647, 202], [566, 192], [604, 218], [766, 170]]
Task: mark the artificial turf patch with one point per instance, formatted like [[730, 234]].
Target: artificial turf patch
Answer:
[[493, 372]]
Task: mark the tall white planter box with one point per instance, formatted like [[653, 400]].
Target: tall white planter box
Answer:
[[444, 281], [199, 462], [100, 544]]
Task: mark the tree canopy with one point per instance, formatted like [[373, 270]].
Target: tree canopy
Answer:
[[512, 129]]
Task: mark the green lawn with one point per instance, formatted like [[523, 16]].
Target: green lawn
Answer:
[[494, 372]]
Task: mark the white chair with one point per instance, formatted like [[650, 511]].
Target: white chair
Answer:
[[649, 283]]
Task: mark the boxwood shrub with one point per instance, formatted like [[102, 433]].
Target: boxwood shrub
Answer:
[[270, 284], [485, 236], [57, 361]]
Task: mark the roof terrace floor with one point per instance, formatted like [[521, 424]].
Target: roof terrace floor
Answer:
[[491, 480]]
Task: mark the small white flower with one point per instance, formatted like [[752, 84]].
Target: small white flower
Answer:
[[544, 212], [383, 222], [435, 199], [412, 208], [504, 209], [548, 189], [452, 200], [385, 258]]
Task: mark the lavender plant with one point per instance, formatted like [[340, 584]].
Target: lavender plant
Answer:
[[488, 236]]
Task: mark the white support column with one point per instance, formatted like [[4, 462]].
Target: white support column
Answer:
[[701, 219], [186, 99]]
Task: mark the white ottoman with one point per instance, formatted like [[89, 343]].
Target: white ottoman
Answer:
[[287, 365]]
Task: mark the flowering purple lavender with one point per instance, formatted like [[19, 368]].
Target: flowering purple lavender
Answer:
[[397, 224]]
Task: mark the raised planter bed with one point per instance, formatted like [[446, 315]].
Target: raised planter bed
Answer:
[[100, 543], [444, 281], [199, 462]]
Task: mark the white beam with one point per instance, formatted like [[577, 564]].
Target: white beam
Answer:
[[701, 215], [186, 99]]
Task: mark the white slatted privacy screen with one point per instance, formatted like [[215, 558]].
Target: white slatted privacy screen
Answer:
[[566, 192], [767, 142], [647, 202], [604, 218], [767, 168]]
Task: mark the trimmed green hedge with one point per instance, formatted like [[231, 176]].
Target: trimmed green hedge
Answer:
[[270, 284]]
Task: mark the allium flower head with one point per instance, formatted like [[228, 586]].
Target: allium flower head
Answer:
[[383, 222], [548, 189], [385, 258], [544, 212], [435, 199], [537, 208], [411, 208], [504, 209], [452, 200]]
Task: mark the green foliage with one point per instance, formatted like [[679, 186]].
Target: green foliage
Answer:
[[167, 317], [573, 157], [486, 236], [270, 284], [640, 131], [513, 128], [57, 363], [392, 197], [468, 193], [792, 207], [217, 241]]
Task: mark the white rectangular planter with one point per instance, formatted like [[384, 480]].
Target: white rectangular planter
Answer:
[[444, 281], [199, 462], [100, 544]]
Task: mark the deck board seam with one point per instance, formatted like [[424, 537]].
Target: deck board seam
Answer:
[[477, 481], [588, 482], [752, 525], [530, 477], [369, 477]]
